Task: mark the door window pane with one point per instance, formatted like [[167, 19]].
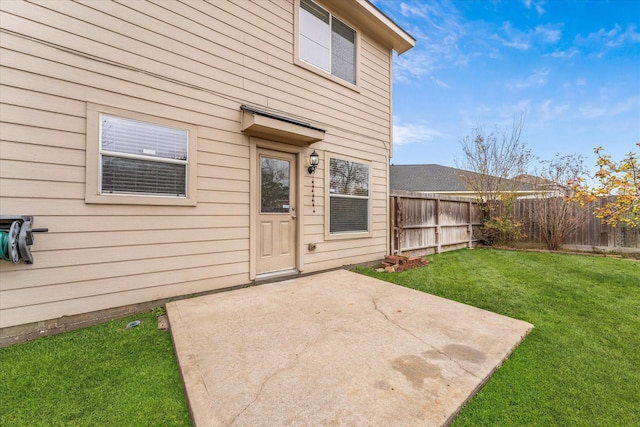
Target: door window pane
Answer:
[[274, 185]]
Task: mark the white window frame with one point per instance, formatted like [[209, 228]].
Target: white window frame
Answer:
[[95, 152], [329, 235], [318, 69]]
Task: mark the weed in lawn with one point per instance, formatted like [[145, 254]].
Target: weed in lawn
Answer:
[[159, 311]]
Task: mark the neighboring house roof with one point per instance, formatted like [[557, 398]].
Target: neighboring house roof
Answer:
[[538, 181], [433, 179], [545, 184]]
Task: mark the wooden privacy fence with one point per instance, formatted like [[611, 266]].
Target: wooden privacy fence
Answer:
[[422, 224], [590, 232]]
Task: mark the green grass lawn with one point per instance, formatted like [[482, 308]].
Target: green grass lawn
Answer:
[[580, 366], [104, 375]]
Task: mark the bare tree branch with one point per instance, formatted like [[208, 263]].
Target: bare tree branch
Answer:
[[554, 216], [496, 158]]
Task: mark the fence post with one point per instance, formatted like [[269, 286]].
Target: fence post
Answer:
[[469, 227], [438, 227], [392, 231], [399, 221]]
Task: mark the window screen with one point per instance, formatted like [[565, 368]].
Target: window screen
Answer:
[[142, 158], [326, 42], [343, 51], [348, 196]]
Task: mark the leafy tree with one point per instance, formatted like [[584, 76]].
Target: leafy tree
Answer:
[[621, 181], [554, 216], [495, 158]]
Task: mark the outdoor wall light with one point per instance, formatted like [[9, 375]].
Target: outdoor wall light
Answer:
[[314, 161]]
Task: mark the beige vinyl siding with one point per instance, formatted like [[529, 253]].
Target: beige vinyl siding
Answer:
[[191, 62]]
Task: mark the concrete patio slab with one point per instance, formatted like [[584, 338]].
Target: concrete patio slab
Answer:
[[334, 349]]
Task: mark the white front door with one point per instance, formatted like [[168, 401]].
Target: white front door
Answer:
[[277, 212]]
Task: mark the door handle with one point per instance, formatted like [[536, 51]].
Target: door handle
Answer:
[[293, 217]]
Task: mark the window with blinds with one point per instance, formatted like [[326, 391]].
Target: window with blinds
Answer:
[[142, 158], [348, 196], [327, 42]]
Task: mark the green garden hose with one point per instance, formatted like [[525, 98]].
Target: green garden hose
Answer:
[[4, 245], [9, 243]]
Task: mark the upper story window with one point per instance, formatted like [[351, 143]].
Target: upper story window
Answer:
[[326, 42]]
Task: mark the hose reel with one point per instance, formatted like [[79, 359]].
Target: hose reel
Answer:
[[16, 238]]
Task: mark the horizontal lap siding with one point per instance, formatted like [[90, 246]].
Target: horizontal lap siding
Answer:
[[100, 256], [194, 62]]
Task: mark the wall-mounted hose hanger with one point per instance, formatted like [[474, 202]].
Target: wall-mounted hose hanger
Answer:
[[16, 238]]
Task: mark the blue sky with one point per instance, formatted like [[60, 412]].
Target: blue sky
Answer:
[[573, 67]]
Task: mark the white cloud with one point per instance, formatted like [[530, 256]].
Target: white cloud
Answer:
[[549, 110], [549, 33], [536, 78], [565, 54], [439, 29], [603, 40], [511, 111], [537, 5], [514, 38], [440, 83], [495, 115], [525, 40], [412, 65], [410, 133], [445, 39], [595, 111]]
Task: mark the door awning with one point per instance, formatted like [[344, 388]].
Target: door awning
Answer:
[[260, 123]]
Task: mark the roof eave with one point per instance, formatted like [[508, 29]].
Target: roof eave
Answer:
[[366, 15]]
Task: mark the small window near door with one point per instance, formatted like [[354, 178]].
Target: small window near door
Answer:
[[326, 42], [348, 196]]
